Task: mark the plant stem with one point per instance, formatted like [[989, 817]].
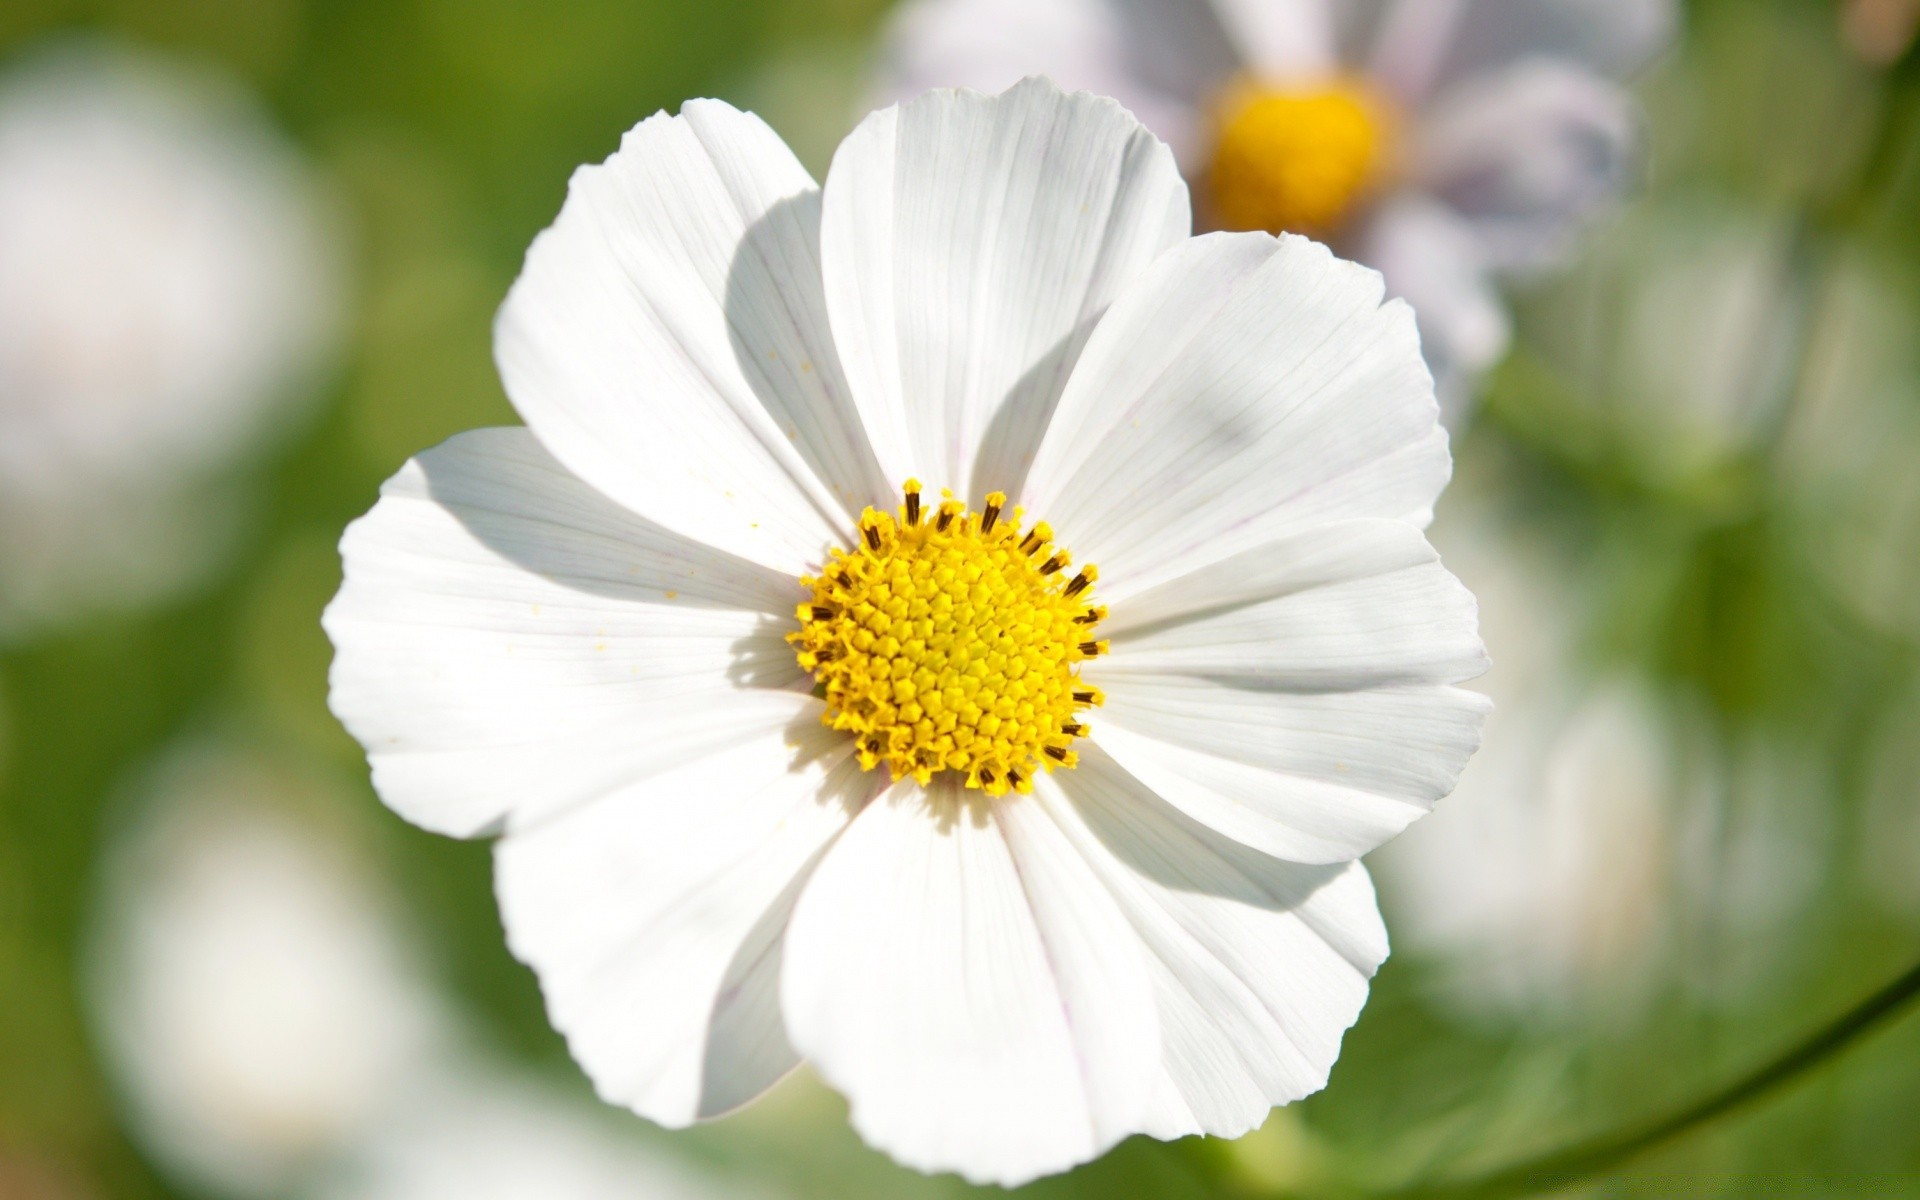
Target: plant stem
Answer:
[[1570, 1164]]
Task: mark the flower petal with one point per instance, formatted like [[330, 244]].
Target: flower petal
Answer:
[[1243, 387], [1296, 697], [969, 245], [955, 969], [1162, 61], [1433, 259], [1281, 39], [509, 642], [667, 341], [1259, 966], [1422, 46], [1527, 155], [654, 916]]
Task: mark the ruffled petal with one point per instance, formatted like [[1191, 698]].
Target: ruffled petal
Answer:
[[654, 916], [509, 642], [667, 340], [956, 970], [1243, 388], [1259, 966], [1297, 697], [970, 243]]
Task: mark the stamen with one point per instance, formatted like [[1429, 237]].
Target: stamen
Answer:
[[994, 502], [951, 645]]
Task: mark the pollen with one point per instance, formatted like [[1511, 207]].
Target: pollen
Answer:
[[949, 640], [1299, 160]]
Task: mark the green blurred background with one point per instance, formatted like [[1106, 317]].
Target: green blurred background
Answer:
[[1698, 467]]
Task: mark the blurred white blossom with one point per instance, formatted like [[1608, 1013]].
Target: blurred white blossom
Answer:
[[483, 1133], [259, 1004], [1540, 880], [167, 295]]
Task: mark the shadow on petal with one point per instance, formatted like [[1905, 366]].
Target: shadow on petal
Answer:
[[1165, 845], [533, 512], [776, 309]]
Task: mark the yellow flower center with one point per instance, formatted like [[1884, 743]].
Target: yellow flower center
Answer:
[[1295, 160], [949, 640]]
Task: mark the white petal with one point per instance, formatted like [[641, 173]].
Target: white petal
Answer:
[[955, 969], [969, 244], [1434, 260], [1296, 697], [1424, 45], [1347, 605], [508, 641], [1527, 155], [1163, 62], [1244, 387], [654, 916], [1308, 777], [1259, 965], [1281, 39], [667, 341]]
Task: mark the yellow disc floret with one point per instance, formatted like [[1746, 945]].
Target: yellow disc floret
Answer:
[[949, 641], [1297, 160]]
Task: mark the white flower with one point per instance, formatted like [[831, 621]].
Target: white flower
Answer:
[[165, 292], [480, 1132], [1540, 887], [1445, 142], [255, 995], [584, 636]]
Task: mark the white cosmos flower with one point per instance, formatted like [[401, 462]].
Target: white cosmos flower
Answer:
[[166, 292], [481, 1132], [256, 998], [1445, 142], [577, 635]]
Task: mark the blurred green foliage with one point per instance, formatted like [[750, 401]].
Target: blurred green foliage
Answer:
[[1736, 574]]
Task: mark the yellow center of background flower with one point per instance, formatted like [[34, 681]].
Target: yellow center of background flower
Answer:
[[1295, 160], [948, 641]]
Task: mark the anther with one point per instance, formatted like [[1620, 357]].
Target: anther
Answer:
[[1087, 575], [1072, 728], [822, 613], [1053, 564], [913, 502], [1092, 649], [1057, 753], [1092, 616], [872, 533], [995, 501], [948, 511]]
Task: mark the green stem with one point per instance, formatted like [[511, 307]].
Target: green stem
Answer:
[[1585, 1159]]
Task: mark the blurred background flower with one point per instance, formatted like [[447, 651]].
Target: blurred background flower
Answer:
[[275, 233], [167, 292], [1446, 143]]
